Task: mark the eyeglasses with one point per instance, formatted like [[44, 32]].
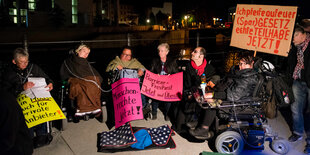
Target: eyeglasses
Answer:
[[195, 51]]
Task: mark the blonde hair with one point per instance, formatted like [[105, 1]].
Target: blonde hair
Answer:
[[80, 47]]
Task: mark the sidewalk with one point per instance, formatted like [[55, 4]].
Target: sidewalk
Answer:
[[81, 139]]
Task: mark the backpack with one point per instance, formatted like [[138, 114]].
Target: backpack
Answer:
[[284, 93]]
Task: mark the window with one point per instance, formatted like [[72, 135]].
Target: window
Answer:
[[53, 4], [13, 14], [23, 16], [31, 5], [74, 12]]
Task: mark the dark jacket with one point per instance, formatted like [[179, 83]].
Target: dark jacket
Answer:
[[242, 85], [170, 65], [191, 79], [75, 67], [15, 137], [13, 78], [292, 59]]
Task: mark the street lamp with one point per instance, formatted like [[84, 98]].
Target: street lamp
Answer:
[[148, 21]]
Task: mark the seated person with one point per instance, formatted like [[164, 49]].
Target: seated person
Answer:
[[85, 83], [126, 61], [240, 87], [192, 78], [15, 80], [14, 133]]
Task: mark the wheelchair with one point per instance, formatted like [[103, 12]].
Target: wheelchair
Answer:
[[242, 124], [68, 106], [131, 73]]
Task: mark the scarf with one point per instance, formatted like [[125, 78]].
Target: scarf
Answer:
[[300, 58], [200, 69]]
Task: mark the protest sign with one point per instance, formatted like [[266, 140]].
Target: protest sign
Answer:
[[264, 28], [39, 110], [126, 100], [163, 87]]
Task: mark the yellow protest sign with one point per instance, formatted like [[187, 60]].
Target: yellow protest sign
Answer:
[[39, 110]]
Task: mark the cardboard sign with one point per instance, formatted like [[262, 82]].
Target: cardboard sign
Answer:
[[264, 28], [127, 101], [163, 87], [39, 110]]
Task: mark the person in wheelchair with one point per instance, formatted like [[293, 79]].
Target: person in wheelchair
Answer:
[[241, 86], [125, 66], [125, 61], [195, 70], [84, 81]]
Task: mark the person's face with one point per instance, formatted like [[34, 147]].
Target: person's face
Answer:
[[84, 52], [243, 65], [126, 55], [196, 55], [162, 52], [21, 63], [299, 38]]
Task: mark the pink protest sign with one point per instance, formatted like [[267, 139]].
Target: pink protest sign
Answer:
[[127, 101], [163, 87]]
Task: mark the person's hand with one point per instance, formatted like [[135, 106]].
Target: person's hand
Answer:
[[210, 84], [49, 86], [28, 85], [119, 67], [208, 95], [140, 72]]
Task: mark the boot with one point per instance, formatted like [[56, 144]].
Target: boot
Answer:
[[154, 116], [200, 133]]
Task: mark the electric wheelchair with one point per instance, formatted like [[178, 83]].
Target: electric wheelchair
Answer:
[[242, 124]]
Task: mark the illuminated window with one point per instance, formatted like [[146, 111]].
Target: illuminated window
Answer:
[[74, 12], [31, 5], [53, 3], [23, 15], [13, 14]]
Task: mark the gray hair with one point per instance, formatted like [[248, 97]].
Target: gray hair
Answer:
[[166, 45], [20, 52]]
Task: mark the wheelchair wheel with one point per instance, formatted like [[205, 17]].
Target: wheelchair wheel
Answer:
[[229, 142], [280, 146]]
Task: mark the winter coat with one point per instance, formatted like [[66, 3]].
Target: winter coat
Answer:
[[170, 66], [14, 133], [77, 67], [13, 78], [132, 64], [292, 59], [191, 79], [243, 85]]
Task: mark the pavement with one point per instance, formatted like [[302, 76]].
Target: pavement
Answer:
[[81, 139]]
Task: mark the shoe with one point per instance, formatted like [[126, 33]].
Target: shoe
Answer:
[[167, 118], [99, 118], [154, 116], [200, 133], [42, 140], [294, 137], [307, 149], [192, 125]]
